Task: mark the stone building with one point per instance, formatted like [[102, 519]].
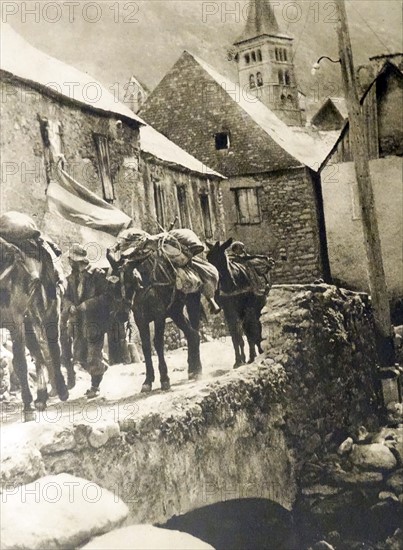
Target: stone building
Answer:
[[50, 108], [331, 115], [272, 197], [381, 101], [181, 186]]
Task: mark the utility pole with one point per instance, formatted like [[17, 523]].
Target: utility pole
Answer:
[[357, 133]]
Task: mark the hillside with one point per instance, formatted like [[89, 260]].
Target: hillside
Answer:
[[149, 46]]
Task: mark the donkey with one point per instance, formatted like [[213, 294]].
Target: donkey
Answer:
[[241, 305], [148, 286], [29, 310]]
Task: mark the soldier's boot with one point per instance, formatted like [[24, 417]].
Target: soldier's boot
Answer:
[[213, 306], [94, 391]]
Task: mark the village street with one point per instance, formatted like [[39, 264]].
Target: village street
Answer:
[[120, 390]]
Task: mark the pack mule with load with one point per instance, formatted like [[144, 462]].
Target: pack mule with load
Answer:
[[159, 275], [30, 301]]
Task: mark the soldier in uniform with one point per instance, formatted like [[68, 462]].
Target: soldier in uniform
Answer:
[[258, 267], [86, 309]]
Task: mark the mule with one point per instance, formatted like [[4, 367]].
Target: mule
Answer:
[[148, 288], [241, 305], [30, 311]]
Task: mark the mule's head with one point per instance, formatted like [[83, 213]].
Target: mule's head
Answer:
[[216, 253]]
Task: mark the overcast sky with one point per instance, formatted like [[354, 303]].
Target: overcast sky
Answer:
[[112, 40]]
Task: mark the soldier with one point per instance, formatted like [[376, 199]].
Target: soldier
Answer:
[[86, 306], [258, 267]]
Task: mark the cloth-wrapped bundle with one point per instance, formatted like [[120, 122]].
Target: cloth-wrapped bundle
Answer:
[[16, 227]]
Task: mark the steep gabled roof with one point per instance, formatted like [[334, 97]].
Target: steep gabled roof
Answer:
[[161, 147], [40, 70], [336, 103], [305, 148], [260, 21], [387, 67]]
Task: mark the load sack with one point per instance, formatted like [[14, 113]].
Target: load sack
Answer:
[[16, 227]]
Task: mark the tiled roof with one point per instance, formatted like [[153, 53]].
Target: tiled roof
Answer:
[[161, 147], [260, 21], [25, 62], [304, 147]]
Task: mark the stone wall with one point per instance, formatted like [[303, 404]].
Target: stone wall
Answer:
[[289, 229], [24, 168], [324, 338], [157, 173], [134, 174], [246, 434], [190, 107]]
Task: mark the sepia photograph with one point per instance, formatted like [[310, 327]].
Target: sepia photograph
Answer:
[[201, 275]]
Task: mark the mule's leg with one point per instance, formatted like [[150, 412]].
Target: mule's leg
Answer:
[[52, 336], [144, 330], [36, 351], [250, 326], [21, 368], [159, 329], [192, 337], [193, 308], [66, 345]]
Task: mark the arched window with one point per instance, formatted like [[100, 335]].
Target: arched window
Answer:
[[247, 59], [252, 81], [280, 76], [276, 52], [285, 55], [259, 79], [253, 57], [283, 98], [259, 55], [287, 78]]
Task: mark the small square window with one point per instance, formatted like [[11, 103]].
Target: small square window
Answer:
[[222, 141]]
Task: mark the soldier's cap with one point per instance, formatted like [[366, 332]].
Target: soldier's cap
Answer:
[[77, 253]]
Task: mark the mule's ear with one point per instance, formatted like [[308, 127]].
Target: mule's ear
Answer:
[[209, 245], [227, 243]]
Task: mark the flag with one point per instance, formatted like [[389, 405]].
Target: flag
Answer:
[[74, 202]]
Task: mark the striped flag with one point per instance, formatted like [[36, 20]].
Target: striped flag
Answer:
[[74, 202]]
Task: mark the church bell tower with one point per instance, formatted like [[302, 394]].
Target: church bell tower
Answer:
[[265, 63]]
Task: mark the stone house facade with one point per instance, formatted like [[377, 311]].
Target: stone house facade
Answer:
[[101, 144], [381, 104], [272, 197]]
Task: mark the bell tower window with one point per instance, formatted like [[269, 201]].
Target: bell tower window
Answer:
[[259, 55], [252, 81], [259, 80], [253, 57], [247, 59]]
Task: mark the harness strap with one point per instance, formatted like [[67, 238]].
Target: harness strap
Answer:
[[7, 271]]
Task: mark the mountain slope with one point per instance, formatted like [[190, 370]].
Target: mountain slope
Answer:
[[149, 46]]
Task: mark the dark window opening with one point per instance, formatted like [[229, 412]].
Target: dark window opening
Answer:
[[247, 59], [159, 204], [259, 55], [287, 79], [183, 206], [285, 55], [206, 214], [247, 205], [254, 57], [102, 146], [259, 79], [222, 141], [252, 81], [280, 76]]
